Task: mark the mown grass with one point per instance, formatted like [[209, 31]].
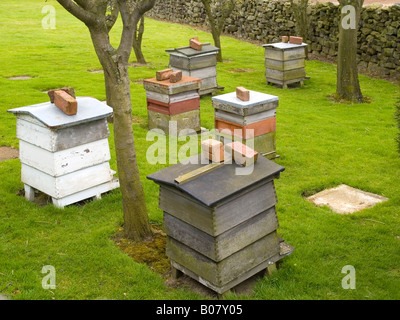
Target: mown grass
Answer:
[[321, 144]]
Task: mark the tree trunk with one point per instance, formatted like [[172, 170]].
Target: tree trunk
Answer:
[[348, 86], [217, 42], [136, 222], [137, 42]]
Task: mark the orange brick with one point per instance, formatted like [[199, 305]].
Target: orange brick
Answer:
[[68, 90], [65, 102], [213, 150], [164, 74], [241, 153], [196, 44], [175, 77], [285, 39], [242, 94], [296, 40]]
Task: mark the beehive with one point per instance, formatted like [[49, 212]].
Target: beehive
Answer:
[[197, 63], [252, 122], [173, 107], [65, 157], [285, 63], [221, 227]]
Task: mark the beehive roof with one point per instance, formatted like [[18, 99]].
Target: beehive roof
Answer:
[[190, 52], [89, 109], [219, 184]]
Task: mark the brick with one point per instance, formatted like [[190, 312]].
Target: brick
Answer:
[[296, 40], [242, 94], [241, 153], [213, 150], [65, 102], [196, 44], [69, 90], [285, 39], [175, 77], [164, 74]]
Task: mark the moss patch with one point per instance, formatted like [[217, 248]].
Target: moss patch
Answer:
[[150, 252]]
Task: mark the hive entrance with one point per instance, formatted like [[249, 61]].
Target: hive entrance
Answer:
[[344, 199]]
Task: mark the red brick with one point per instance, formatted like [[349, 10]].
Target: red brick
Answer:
[[65, 102], [196, 44], [213, 150], [242, 94], [69, 90], [164, 74], [296, 40], [285, 39], [175, 77], [241, 153]]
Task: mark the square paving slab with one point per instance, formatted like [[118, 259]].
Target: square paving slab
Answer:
[[344, 199]]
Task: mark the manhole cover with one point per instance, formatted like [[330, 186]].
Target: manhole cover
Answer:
[[7, 153], [344, 199]]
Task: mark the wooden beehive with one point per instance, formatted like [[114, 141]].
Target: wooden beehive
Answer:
[[221, 227], [65, 157], [285, 63], [173, 103], [197, 63], [252, 122]]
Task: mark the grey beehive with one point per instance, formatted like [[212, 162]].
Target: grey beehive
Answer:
[[221, 227], [285, 63], [198, 64]]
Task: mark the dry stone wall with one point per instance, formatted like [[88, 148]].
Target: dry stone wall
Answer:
[[267, 20]]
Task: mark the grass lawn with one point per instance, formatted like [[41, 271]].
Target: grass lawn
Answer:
[[321, 144]]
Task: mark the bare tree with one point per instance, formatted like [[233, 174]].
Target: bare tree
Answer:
[[299, 9], [99, 16], [217, 13], [348, 86]]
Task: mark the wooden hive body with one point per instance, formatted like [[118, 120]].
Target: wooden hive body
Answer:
[[65, 157], [252, 122], [221, 227], [285, 63], [199, 64], [173, 107]]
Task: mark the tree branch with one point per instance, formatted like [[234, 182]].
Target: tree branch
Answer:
[[79, 12]]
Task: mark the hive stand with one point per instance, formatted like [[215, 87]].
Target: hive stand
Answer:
[[65, 157], [285, 63]]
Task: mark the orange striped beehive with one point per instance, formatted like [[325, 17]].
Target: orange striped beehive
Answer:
[[249, 117]]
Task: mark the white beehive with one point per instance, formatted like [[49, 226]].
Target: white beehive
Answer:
[[65, 157]]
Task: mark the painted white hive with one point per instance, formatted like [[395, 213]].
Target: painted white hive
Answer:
[[65, 157]]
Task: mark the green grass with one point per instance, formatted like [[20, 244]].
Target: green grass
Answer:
[[322, 144]]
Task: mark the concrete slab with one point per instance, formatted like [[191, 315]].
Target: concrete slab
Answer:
[[344, 199]]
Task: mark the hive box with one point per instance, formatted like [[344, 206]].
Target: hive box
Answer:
[[65, 157], [221, 227], [177, 102], [285, 63], [251, 122], [197, 63]]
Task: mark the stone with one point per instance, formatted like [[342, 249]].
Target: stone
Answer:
[[344, 199]]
